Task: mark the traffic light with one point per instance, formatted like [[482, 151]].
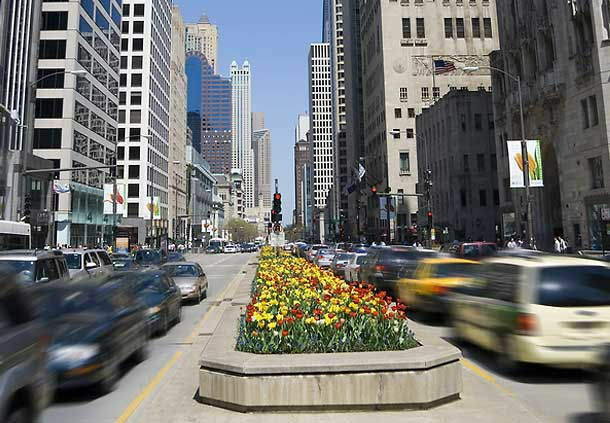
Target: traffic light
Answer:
[[430, 222], [276, 212], [374, 189], [27, 209]]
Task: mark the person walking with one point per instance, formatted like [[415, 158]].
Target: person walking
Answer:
[[556, 245], [564, 245]]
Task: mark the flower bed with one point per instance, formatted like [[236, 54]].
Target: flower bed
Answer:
[[298, 308]]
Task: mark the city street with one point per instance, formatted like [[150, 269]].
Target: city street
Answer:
[[85, 406]]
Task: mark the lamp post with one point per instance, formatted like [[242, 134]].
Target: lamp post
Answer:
[[524, 153]]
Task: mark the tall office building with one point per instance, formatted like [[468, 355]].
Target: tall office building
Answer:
[[261, 145], [302, 160], [144, 117], [202, 37], [209, 98], [77, 114], [177, 129], [243, 155], [320, 107], [258, 121], [409, 55]]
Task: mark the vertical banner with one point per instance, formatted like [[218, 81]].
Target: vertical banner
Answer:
[[109, 199], [515, 156], [147, 209], [386, 204]]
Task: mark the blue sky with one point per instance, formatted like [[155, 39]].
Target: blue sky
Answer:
[[274, 36]]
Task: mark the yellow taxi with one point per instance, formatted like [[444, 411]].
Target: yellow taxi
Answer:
[[433, 278]]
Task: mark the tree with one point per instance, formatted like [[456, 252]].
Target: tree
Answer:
[[294, 232], [241, 231]]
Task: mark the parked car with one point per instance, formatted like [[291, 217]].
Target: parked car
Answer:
[[150, 258], [162, 298], [312, 252], [190, 278], [213, 249], [324, 258], [549, 310], [175, 256], [124, 262], [352, 270], [384, 266], [24, 385], [87, 264], [339, 263], [36, 266], [230, 249], [476, 250], [95, 326], [433, 279]]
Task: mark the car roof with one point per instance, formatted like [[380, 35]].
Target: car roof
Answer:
[[29, 255], [448, 260], [180, 263], [546, 261], [82, 250]]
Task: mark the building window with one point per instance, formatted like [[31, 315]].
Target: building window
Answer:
[[585, 113], [463, 122], [463, 199], [405, 164], [138, 27], [483, 198], [597, 172], [54, 21], [425, 93], [134, 172], [49, 108], [50, 78], [136, 62], [478, 121], [133, 190], [494, 162], [133, 210], [138, 10], [496, 197], [52, 49], [404, 94], [466, 163], [120, 153], [46, 138], [487, 27], [481, 162], [136, 99], [410, 133], [138, 44], [476, 27], [406, 27], [459, 28], [136, 80], [448, 28], [135, 116], [396, 134], [421, 28], [436, 92], [134, 153], [593, 113], [125, 28], [411, 113], [398, 113]]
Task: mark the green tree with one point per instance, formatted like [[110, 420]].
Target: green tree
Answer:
[[241, 231], [294, 232]]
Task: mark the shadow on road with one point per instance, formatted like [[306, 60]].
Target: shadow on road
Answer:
[[588, 418], [428, 319]]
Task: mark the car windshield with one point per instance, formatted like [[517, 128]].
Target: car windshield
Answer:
[[182, 271], [574, 286], [343, 257], [74, 261], [23, 268], [452, 270], [152, 284], [397, 256], [471, 251]]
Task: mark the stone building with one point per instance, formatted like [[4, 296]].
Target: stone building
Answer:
[[202, 37], [559, 50]]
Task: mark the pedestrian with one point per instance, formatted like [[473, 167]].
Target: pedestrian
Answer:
[[556, 245], [564, 245]]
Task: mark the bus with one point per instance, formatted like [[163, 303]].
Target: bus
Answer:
[[218, 243], [15, 236]]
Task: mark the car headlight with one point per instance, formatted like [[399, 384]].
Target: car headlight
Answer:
[[153, 310], [74, 353]]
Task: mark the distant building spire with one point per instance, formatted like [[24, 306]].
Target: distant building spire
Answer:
[[204, 19]]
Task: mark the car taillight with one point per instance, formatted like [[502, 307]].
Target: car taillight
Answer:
[[379, 268], [527, 324], [440, 290]]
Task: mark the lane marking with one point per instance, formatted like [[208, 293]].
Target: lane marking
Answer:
[[131, 408], [485, 376]]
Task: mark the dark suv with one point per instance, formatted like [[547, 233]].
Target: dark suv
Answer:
[[384, 266]]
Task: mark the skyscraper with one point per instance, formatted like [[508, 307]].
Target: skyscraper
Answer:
[[145, 116], [202, 37], [77, 114], [302, 160], [243, 156], [261, 145]]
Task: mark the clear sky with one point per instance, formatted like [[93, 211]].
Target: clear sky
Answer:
[[274, 35]]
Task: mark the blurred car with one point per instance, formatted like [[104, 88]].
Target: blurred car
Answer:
[[339, 263], [300, 249], [175, 256], [287, 247], [190, 278], [549, 310], [601, 387], [230, 249], [433, 279], [95, 326], [36, 266], [213, 249], [475, 250], [352, 270], [24, 383], [124, 262], [324, 258], [162, 298], [87, 264], [312, 252], [384, 266], [150, 258]]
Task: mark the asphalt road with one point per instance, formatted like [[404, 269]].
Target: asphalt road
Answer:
[[85, 406], [556, 395]]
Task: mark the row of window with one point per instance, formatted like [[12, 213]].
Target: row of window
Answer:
[[460, 28]]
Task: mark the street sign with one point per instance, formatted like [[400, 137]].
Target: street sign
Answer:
[[277, 239], [606, 214]]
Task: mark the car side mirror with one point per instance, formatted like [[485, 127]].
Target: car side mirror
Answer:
[[43, 280], [90, 265]]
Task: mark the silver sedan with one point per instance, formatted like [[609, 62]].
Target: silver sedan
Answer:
[[190, 278]]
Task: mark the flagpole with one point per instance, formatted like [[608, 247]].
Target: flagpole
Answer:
[[433, 78]]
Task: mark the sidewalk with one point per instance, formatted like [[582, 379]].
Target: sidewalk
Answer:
[[173, 401]]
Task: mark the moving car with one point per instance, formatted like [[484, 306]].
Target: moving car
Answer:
[[230, 249], [433, 279], [161, 296], [551, 310], [352, 270], [190, 278], [124, 262], [175, 256], [324, 258], [312, 252], [87, 264], [601, 386], [36, 266], [213, 249], [95, 326], [339, 263], [476, 250], [150, 258], [24, 385]]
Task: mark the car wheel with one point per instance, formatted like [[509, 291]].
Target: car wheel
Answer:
[[505, 361], [111, 380], [199, 296], [205, 293], [19, 415], [164, 324], [178, 315], [143, 352]]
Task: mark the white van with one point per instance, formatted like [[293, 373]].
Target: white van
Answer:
[[85, 263]]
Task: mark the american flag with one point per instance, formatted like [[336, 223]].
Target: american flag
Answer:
[[443, 66]]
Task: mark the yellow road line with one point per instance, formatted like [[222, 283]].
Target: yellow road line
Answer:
[[485, 376], [148, 389]]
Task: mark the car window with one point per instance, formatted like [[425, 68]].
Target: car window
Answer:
[[88, 259], [47, 269], [104, 257], [24, 269], [488, 250], [63, 268], [471, 251], [95, 259], [74, 260], [452, 270], [200, 269], [501, 280], [574, 286], [182, 270], [397, 256]]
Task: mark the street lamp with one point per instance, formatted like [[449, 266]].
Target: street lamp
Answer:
[[526, 164]]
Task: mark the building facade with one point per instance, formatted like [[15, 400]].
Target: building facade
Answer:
[[243, 155], [302, 159], [76, 120], [261, 144], [461, 153], [320, 109], [202, 37], [408, 50], [562, 60], [202, 207], [144, 117], [177, 210]]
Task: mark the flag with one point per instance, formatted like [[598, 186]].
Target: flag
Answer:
[[361, 172], [443, 66], [61, 187]]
